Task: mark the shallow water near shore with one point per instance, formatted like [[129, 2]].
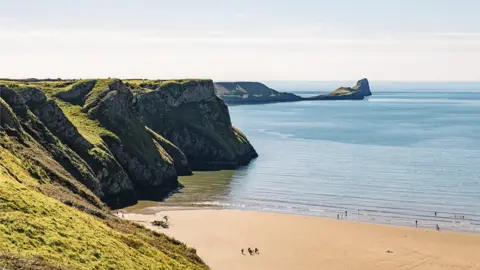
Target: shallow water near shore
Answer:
[[392, 159]]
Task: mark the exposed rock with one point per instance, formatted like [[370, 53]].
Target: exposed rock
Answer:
[[191, 117], [137, 152], [77, 94], [179, 159], [363, 87]]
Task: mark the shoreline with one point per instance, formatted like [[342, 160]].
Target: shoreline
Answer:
[[288, 241], [353, 216]]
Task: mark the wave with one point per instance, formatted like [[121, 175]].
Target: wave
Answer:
[[423, 100]]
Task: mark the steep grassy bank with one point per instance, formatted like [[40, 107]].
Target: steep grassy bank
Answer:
[[40, 232]]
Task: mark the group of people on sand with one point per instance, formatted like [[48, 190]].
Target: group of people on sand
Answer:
[[251, 251]]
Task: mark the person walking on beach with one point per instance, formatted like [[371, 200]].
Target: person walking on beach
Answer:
[[338, 216], [435, 213], [416, 223], [438, 228], [346, 213]]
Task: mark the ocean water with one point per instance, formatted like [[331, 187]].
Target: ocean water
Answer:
[[400, 156]]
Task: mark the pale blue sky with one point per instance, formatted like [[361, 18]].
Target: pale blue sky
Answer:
[[242, 40]]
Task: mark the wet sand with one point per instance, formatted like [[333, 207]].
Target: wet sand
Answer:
[[301, 242]]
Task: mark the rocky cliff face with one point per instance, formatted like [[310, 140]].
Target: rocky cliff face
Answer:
[[194, 119], [122, 141]]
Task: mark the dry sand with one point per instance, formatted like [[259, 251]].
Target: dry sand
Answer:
[[299, 242]]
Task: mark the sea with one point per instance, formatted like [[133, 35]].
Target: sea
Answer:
[[409, 153]]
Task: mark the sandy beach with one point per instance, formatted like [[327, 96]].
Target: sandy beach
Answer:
[[300, 242]]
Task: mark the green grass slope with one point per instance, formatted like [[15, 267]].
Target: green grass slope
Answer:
[[40, 232]]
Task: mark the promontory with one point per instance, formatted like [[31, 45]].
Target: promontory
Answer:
[[255, 92]]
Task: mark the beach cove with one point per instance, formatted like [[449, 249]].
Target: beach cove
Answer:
[[288, 241]]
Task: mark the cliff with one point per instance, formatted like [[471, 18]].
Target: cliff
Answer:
[[190, 116], [255, 92], [66, 148]]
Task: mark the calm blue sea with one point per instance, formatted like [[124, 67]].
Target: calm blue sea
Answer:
[[400, 156]]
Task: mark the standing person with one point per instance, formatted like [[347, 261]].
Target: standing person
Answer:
[[435, 213], [338, 216], [438, 228], [416, 223]]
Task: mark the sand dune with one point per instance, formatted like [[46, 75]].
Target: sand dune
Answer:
[[299, 242]]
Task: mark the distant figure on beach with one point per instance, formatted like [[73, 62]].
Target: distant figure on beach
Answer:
[[438, 228], [435, 213], [256, 251], [166, 218], [242, 252], [416, 223], [338, 216], [250, 251], [346, 213]]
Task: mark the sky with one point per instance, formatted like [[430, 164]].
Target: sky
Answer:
[[265, 40]]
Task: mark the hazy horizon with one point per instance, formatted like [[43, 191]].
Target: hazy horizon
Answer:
[[242, 40]]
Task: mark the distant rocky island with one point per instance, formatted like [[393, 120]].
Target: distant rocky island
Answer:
[[256, 92]]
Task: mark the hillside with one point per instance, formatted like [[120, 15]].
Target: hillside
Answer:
[[69, 149], [255, 92]]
